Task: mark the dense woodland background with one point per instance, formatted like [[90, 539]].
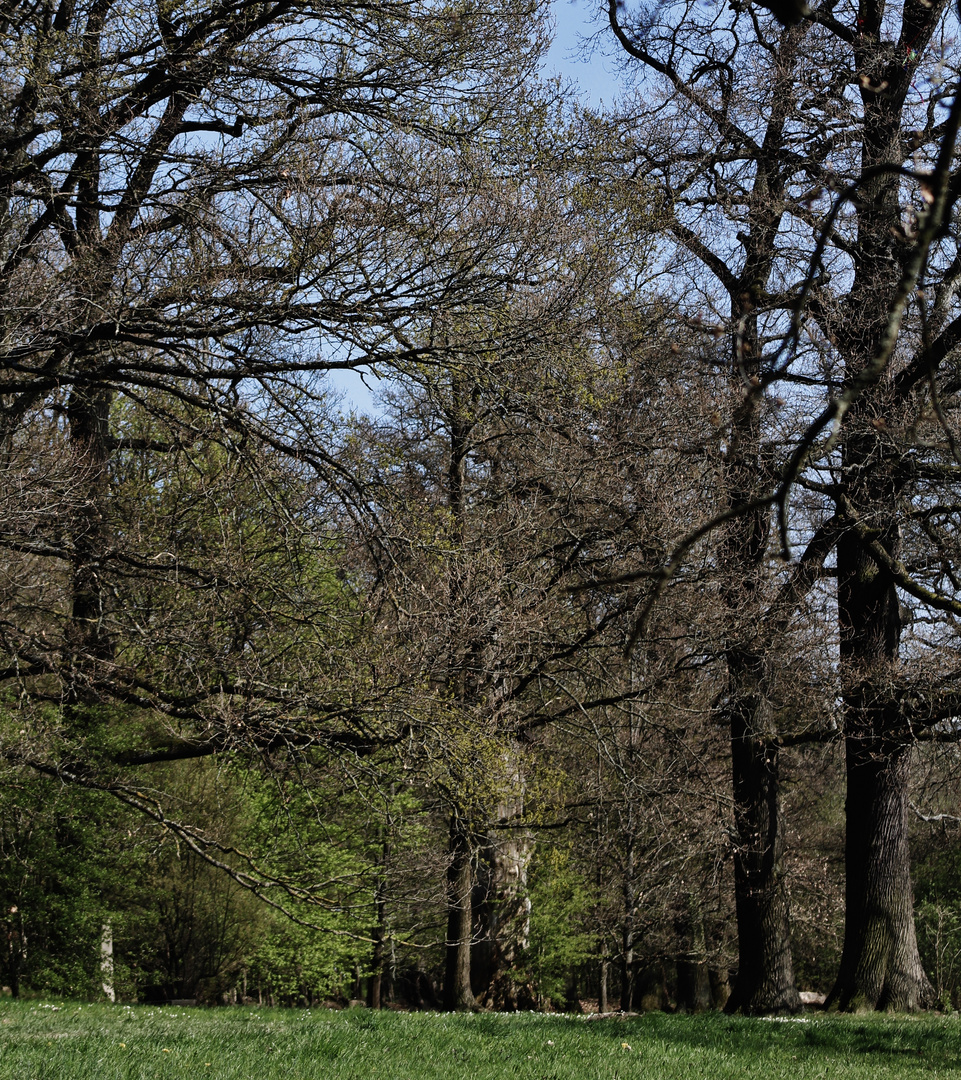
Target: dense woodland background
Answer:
[[614, 656]]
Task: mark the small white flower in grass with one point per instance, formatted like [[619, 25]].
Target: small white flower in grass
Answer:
[[550, 1042]]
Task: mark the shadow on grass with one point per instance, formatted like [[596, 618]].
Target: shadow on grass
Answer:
[[909, 1042]]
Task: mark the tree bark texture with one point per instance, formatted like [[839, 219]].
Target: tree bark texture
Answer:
[[458, 996], [880, 964], [765, 977], [503, 923], [765, 981]]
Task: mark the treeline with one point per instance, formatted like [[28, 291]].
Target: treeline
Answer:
[[615, 654]]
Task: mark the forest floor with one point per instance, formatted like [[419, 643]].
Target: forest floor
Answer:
[[72, 1041]]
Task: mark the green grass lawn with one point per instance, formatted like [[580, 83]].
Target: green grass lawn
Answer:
[[70, 1041]]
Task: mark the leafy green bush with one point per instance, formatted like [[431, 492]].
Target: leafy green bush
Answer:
[[562, 936], [65, 867], [938, 918]]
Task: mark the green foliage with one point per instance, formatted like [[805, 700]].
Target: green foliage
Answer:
[[296, 964], [66, 863], [316, 838], [562, 935], [73, 861], [938, 920]]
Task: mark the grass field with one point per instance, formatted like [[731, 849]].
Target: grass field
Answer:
[[70, 1041]]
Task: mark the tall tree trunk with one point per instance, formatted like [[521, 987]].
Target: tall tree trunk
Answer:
[[627, 929], [880, 964], [458, 996], [503, 920], [765, 978], [88, 637]]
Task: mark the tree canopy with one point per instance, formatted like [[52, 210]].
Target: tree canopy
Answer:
[[539, 682]]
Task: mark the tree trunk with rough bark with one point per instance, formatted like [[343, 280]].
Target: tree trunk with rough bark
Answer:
[[458, 996], [765, 981], [880, 964], [504, 920], [503, 917], [765, 978]]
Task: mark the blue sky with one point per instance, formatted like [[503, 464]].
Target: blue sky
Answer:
[[573, 57]]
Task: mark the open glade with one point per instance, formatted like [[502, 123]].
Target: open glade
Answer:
[[60, 1041]]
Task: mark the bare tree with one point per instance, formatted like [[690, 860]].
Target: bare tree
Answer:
[[204, 210], [500, 496], [795, 166], [195, 228]]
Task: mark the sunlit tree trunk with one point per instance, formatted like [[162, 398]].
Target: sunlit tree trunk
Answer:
[[504, 918]]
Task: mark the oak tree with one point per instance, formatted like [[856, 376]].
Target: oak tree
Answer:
[[805, 173]]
